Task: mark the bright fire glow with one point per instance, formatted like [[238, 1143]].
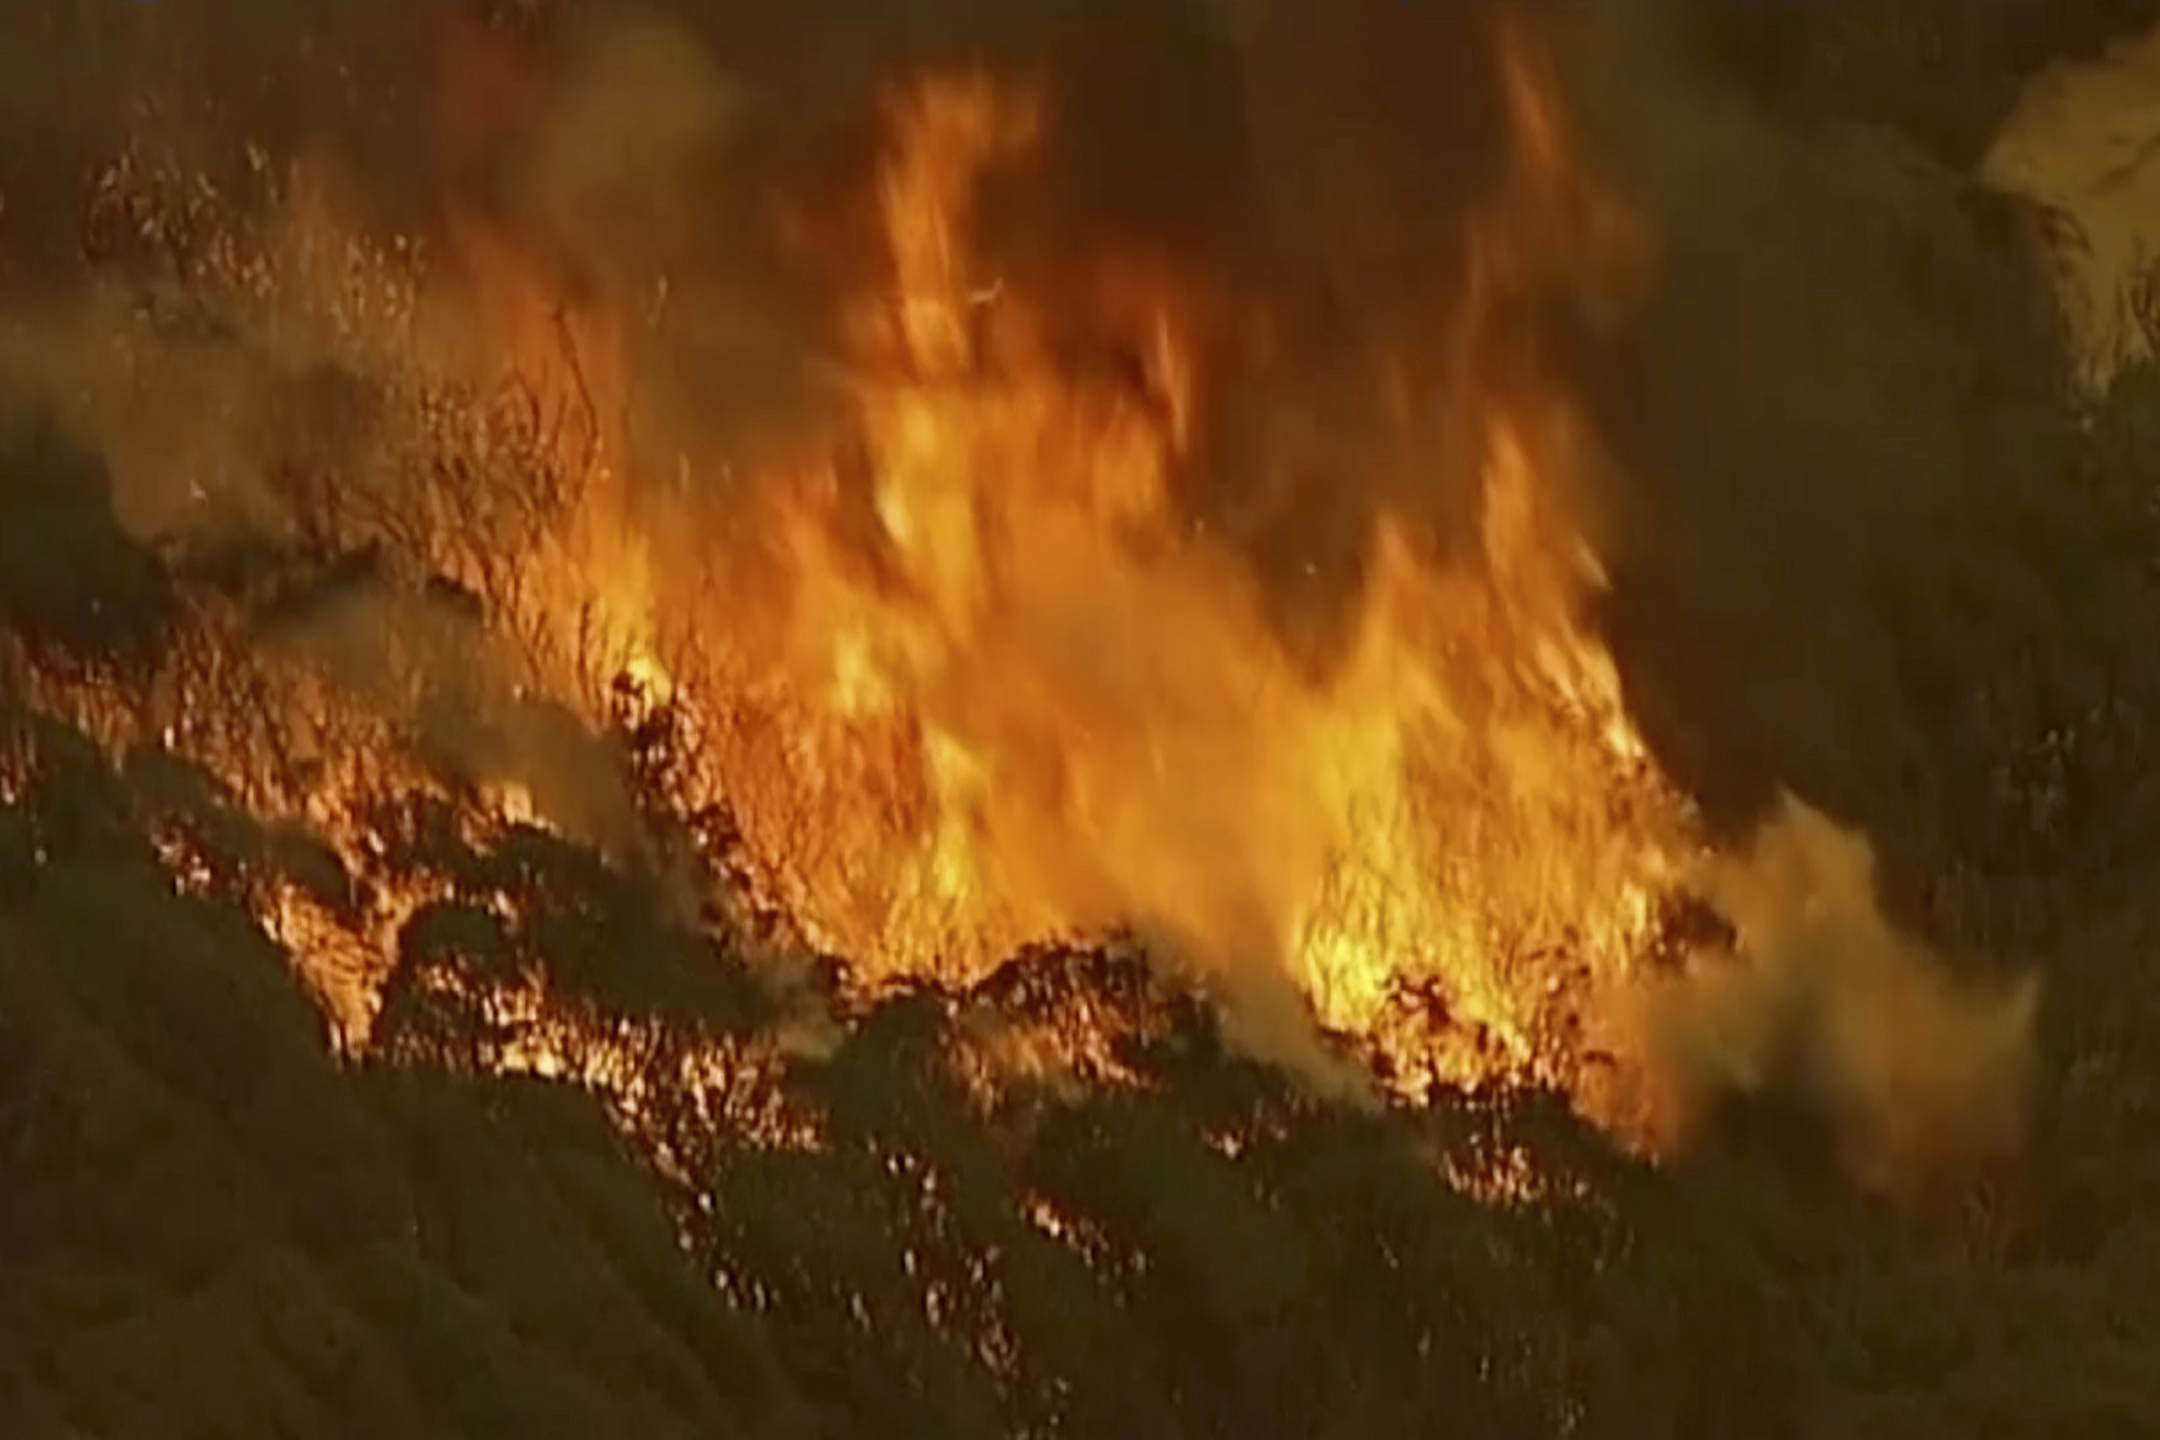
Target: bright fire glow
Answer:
[[1033, 701], [1018, 694]]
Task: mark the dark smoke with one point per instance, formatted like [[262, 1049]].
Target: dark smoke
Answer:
[[1320, 164]]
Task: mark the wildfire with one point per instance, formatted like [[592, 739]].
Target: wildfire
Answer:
[[1036, 701], [968, 672], [981, 680]]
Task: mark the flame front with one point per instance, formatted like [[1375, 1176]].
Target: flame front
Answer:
[[978, 677], [1036, 699]]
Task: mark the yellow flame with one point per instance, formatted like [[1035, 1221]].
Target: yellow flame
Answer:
[[1026, 698], [1102, 725]]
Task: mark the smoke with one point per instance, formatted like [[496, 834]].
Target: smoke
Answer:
[[466, 698], [242, 243], [1326, 161], [1823, 1005]]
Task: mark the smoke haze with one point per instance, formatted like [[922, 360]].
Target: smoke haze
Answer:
[[241, 242]]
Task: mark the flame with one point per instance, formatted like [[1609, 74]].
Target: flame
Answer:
[[983, 681], [1036, 702], [976, 675]]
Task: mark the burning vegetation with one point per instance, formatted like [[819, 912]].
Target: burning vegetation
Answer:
[[1120, 696], [970, 670], [984, 659]]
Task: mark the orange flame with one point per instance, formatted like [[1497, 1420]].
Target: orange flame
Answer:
[[998, 687], [1037, 703]]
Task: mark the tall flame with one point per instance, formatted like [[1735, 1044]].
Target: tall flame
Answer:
[[1036, 699], [980, 678], [979, 675]]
